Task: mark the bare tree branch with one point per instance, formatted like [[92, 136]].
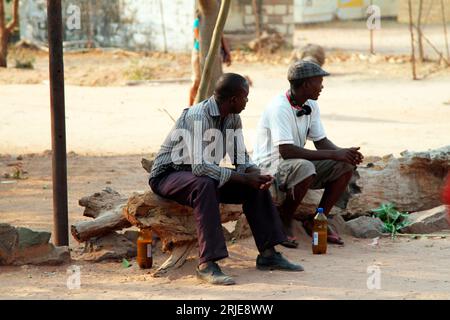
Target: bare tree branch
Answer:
[[15, 18]]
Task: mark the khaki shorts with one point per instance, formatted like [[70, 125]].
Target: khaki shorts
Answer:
[[293, 171]]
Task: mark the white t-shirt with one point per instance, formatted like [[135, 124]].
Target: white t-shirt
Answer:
[[280, 125]]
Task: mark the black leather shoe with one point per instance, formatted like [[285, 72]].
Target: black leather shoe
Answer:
[[276, 262], [213, 275]]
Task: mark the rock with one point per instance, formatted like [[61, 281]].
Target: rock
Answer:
[[412, 182], [339, 225], [366, 227], [21, 246], [29, 238], [9, 241], [428, 221], [43, 254], [113, 246]]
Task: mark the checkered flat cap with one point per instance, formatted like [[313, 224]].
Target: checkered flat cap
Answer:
[[305, 69]]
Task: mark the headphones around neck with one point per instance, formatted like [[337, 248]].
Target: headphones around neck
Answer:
[[306, 111]]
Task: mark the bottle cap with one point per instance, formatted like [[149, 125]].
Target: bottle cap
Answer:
[[319, 210]]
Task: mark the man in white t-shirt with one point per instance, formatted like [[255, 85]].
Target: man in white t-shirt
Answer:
[[290, 119]]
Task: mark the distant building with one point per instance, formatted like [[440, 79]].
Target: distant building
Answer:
[[431, 12], [166, 25], [310, 11]]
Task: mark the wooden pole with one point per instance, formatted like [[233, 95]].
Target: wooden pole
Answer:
[[444, 21], [419, 26], [413, 51], [212, 52], [59, 158]]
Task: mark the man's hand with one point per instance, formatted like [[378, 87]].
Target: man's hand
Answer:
[[253, 169], [227, 59], [226, 56], [258, 181], [349, 155]]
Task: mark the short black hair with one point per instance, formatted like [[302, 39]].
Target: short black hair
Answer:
[[229, 85]]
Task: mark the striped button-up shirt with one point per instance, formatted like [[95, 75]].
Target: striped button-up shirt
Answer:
[[199, 141]]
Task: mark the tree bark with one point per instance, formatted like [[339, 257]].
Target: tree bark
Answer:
[[107, 222], [209, 11], [6, 30], [106, 208], [101, 202], [172, 222], [3, 36]]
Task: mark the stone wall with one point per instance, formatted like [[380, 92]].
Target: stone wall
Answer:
[[431, 13], [275, 15]]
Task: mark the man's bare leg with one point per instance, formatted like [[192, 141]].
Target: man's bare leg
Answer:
[[331, 195], [333, 191], [293, 200]]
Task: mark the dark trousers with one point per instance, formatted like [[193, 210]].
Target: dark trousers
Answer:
[[204, 196]]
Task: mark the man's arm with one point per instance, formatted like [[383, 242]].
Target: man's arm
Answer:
[[200, 167], [325, 144], [240, 151], [329, 151]]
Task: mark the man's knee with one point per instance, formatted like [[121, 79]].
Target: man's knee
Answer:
[[308, 166], [346, 168], [304, 170], [207, 183]]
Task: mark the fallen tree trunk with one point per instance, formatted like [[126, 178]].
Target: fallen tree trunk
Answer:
[[172, 222], [412, 182], [106, 209], [100, 202], [106, 223]]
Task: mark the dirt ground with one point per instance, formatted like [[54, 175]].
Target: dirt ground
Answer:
[[368, 101], [410, 268]]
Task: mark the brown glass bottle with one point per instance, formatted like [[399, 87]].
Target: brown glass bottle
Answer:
[[319, 240], [144, 249]]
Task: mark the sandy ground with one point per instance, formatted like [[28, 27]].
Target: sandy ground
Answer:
[[379, 109], [367, 102]]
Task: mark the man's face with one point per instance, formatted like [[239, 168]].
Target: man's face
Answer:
[[239, 101], [313, 87]]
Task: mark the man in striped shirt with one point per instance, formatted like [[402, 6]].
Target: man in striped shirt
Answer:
[[187, 170]]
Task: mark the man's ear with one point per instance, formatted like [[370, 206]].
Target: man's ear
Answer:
[[305, 84]]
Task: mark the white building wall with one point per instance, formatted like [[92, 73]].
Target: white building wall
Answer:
[[308, 11], [132, 24], [160, 24]]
